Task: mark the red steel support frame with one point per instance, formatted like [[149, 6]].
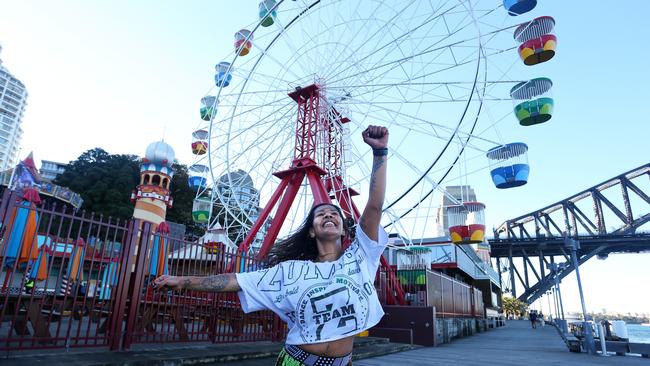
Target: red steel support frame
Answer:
[[309, 124]]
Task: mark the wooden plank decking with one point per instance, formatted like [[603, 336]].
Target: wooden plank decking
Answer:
[[516, 344]]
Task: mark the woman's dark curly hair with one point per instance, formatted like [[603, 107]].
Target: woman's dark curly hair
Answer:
[[301, 246]]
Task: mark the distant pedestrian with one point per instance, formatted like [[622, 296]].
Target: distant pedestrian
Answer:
[[533, 318], [540, 319]]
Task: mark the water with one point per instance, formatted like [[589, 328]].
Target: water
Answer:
[[638, 333]]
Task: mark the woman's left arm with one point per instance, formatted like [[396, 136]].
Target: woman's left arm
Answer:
[[377, 138]]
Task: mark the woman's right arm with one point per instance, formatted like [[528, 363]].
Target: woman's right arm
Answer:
[[226, 282]]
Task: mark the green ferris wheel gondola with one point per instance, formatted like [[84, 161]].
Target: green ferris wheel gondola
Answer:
[[533, 101], [267, 13], [208, 107], [201, 210]]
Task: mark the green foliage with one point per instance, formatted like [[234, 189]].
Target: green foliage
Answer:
[[183, 195], [514, 307], [105, 182], [628, 318]]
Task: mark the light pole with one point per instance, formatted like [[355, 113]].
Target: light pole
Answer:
[[555, 270], [574, 245], [555, 306], [557, 285]]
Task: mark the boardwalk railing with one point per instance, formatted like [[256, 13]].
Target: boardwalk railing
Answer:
[[424, 287]]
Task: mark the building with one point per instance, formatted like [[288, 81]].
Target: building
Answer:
[[13, 99], [152, 196], [50, 169], [237, 190], [440, 255], [238, 201]]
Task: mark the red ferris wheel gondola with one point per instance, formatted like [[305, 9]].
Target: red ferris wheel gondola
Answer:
[[466, 222], [538, 44]]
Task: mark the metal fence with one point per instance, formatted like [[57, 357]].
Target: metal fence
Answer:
[[424, 287], [71, 279], [168, 316]]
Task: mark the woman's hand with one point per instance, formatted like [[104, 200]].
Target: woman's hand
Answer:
[[376, 137], [172, 282]]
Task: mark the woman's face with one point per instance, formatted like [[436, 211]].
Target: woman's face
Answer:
[[327, 223]]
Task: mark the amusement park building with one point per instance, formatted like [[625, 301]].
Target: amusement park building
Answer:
[[441, 255], [13, 99]]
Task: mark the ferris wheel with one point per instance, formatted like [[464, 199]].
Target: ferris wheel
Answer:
[[305, 77]]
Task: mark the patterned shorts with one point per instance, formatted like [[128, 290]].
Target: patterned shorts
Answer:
[[295, 356]]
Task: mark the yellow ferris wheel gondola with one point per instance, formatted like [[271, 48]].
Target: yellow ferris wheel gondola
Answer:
[[466, 222], [538, 44], [243, 42], [199, 142]]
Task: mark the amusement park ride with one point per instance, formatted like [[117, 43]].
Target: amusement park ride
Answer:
[[277, 131]]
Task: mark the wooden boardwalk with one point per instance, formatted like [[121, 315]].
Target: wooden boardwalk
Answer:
[[516, 344]]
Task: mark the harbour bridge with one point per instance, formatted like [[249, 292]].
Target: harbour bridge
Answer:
[[603, 219]]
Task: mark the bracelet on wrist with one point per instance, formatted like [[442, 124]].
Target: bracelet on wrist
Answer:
[[380, 152]]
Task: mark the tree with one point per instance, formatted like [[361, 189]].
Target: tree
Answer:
[[105, 182], [181, 211], [513, 306]]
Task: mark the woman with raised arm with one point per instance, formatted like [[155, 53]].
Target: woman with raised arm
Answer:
[[324, 294]]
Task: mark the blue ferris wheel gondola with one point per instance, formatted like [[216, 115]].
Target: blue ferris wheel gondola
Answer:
[[197, 176], [509, 165], [518, 7], [223, 74]]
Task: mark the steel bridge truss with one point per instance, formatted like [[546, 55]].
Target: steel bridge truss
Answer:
[[604, 219]]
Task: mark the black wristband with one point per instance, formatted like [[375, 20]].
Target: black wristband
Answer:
[[380, 152]]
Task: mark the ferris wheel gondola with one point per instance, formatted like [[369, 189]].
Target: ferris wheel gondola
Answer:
[[509, 165], [267, 13], [518, 7], [200, 141], [533, 101], [243, 42], [538, 43]]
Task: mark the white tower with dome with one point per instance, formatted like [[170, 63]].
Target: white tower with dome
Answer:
[[151, 196]]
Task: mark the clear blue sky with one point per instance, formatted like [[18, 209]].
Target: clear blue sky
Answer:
[[121, 74]]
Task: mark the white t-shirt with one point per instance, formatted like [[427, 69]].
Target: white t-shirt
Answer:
[[320, 302]]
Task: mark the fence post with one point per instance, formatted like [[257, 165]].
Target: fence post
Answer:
[[472, 297], [7, 195], [139, 256], [124, 278], [7, 206]]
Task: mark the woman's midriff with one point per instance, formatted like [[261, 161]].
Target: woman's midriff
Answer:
[[338, 348]]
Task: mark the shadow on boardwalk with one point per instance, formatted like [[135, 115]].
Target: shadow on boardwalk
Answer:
[[515, 344]]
